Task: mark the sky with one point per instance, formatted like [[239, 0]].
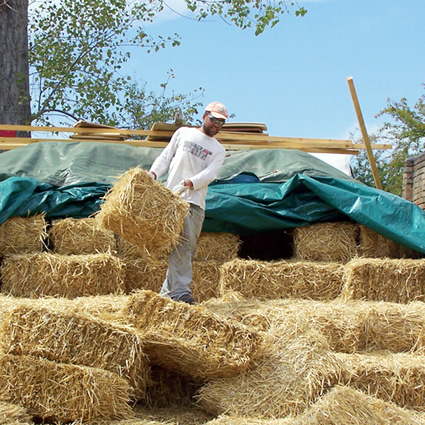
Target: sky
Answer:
[[293, 77]]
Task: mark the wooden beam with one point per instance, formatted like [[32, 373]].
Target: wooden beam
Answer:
[[365, 136]]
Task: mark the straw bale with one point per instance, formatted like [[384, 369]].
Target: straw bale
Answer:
[[294, 371], [237, 420], [72, 338], [168, 389], [282, 279], [205, 279], [392, 280], [398, 378], [63, 392], [143, 211], [347, 406], [190, 339], [173, 415], [221, 247], [72, 236], [374, 245], [130, 251], [328, 242], [13, 414], [46, 274], [23, 235]]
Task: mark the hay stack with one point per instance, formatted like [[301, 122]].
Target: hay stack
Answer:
[[399, 281], [374, 245], [282, 279], [143, 211], [296, 369], [220, 247], [328, 242], [12, 414], [397, 378], [189, 339], [22, 235], [63, 392], [66, 337], [71, 236], [72, 276]]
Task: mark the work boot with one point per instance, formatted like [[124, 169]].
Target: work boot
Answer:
[[186, 298]]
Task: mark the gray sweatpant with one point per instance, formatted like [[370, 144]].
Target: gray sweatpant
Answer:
[[179, 274]]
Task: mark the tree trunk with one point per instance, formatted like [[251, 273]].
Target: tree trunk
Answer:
[[14, 69]]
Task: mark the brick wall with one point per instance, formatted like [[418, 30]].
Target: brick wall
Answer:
[[414, 180]]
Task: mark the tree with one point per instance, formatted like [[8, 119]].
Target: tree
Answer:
[[76, 56], [14, 86], [406, 133]]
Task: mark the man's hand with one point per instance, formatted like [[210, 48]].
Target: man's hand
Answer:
[[182, 186], [152, 174]]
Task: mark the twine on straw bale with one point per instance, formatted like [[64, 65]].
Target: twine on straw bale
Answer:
[[190, 339], [328, 242], [296, 369], [392, 280], [23, 235], [143, 211], [70, 276], [63, 392], [72, 236], [397, 378], [282, 279], [12, 414], [72, 338]]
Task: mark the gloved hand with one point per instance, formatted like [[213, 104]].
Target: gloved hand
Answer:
[[180, 188]]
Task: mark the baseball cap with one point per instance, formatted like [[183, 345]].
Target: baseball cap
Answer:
[[218, 110]]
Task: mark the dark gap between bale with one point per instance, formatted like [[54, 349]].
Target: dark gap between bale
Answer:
[[46, 274], [67, 337], [190, 339], [63, 392]]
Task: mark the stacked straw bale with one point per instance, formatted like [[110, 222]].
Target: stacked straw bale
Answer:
[[190, 339], [71, 236], [63, 392], [46, 274], [143, 211], [23, 235], [327, 242], [398, 378], [296, 368], [392, 280], [340, 406], [282, 279], [12, 414], [374, 245], [66, 337]]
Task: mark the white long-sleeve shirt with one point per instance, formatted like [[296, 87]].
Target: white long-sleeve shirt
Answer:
[[192, 155]]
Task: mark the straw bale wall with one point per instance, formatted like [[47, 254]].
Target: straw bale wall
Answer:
[[71, 276], [143, 211], [13, 414], [76, 339], [71, 236], [391, 280], [63, 392], [282, 279], [190, 339], [23, 235]]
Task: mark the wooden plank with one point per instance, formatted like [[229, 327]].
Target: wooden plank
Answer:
[[366, 139]]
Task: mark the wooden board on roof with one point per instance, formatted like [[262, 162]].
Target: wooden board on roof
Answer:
[[84, 135]]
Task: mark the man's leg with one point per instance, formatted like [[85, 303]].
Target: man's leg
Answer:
[[179, 274]]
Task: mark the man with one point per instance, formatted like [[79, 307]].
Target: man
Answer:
[[192, 158]]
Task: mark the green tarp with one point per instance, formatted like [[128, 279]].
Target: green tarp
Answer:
[[256, 191]]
